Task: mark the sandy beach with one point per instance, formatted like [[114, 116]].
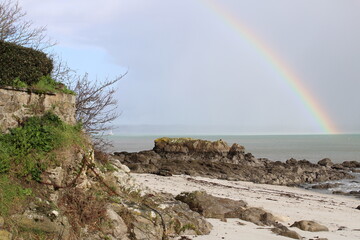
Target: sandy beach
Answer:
[[289, 204]]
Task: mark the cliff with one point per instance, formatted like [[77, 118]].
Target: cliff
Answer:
[[53, 185]]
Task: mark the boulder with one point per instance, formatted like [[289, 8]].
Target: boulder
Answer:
[[291, 161], [284, 231], [338, 166], [351, 164], [309, 226], [118, 227], [326, 162], [257, 216], [210, 206], [358, 207], [236, 150]]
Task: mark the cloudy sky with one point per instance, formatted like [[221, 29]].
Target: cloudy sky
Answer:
[[191, 66]]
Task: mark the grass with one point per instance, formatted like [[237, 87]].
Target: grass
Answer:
[[44, 85], [11, 194], [47, 84]]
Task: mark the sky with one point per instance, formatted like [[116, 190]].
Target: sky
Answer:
[[207, 66]]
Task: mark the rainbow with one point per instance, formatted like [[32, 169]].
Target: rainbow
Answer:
[[293, 82]]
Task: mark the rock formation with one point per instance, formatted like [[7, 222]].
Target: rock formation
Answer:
[[218, 160], [222, 208]]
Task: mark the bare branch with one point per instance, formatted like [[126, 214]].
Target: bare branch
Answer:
[[16, 29], [95, 104]]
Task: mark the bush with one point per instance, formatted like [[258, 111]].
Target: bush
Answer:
[[21, 63], [26, 150]]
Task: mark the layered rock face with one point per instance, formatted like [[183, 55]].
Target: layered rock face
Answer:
[[219, 160], [16, 105]]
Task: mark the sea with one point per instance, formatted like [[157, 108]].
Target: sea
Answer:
[[339, 148]]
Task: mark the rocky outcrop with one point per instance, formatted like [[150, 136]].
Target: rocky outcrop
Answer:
[[17, 104], [218, 160]]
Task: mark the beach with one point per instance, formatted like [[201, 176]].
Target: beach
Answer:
[[288, 204]]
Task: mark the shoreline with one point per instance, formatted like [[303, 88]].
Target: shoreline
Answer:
[[289, 204]]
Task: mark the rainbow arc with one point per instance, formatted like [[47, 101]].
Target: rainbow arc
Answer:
[[289, 77]]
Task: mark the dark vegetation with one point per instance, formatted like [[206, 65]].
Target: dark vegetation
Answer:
[[22, 67], [26, 64]]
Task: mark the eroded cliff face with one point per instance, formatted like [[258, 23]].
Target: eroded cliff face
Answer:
[[16, 105], [69, 191], [83, 198]]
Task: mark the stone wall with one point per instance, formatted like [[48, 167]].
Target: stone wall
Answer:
[[18, 104]]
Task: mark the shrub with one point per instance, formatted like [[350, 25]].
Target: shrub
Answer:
[[21, 63], [26, 150]]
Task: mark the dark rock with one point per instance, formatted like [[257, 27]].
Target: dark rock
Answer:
[[338, 167], [217, 160], [341, 228], [236, 150], [326, 162], [309, 226], [354, 193], [339, 193], [358, 207], [326, 186], [164, 172], [291, 161], [351, 164]]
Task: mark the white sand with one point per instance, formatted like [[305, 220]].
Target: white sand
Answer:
[[287, 203]]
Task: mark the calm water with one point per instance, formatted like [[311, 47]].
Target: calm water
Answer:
[[338, 148]]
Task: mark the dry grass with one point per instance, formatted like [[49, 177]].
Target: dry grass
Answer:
[[82, 209]]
